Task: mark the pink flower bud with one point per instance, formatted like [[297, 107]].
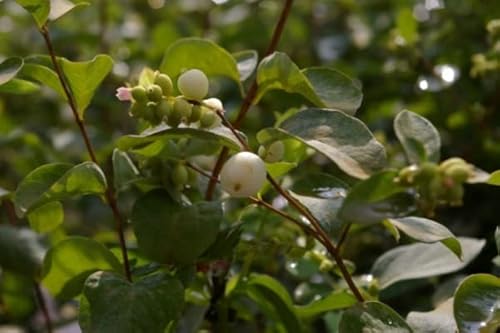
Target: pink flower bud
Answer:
[[124, 94]]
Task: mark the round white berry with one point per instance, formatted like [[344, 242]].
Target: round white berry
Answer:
[[243, 175], [193, 84]]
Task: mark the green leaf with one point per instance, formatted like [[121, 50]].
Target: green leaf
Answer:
[[21, 250], [59, 8], [375, 199], [147, 305], [19, 87], [277, 71], [372, 317], [246, 61], [56, 181], [168, 232], [420, 139], [46, 217], [494, 178], [9, 69], [39, 9], [335, 89], [428, 231], [334, 301], [202, 54], [17, 295], [220, 135], [273, 299], [321, 185], [407, 25], [224, 245], [477, 304], [124, 170], [435, 321], [345, 140], [84, 78], [419, 260], [37, 68], [325, 210], [69, 262]]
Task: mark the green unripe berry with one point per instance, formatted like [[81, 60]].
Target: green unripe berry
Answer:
[[262, 151], [174, 119], [208, 118], [139, 94], [137, 110], [155, 93], [163, 109], [192, 176], [451, 161], [165, 83], [195, 113], [426, 172], [455, 195], [183, 108], [458, 172], [407, 175], [193, 84], [274, 152], [180, 175]]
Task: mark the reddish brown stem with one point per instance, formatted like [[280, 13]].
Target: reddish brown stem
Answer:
[[43, 306], [110, 194]]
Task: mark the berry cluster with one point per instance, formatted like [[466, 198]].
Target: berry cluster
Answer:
[[156, 102], [438, 184]]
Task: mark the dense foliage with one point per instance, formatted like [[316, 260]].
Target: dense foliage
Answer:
[[258, 165]]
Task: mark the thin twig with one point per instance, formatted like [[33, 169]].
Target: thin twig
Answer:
[[110, 194], [43, 306], [250, 96]]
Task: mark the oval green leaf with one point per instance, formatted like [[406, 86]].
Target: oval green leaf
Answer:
[[372, 317], [170, 233], [39, 9], [420, 139], [124, 170], [428, 231], [435, 321], [9, 69], [477, 304], [334, 301], [419, 260], [69, 262], [84, 78], [59, 8], [19, 87], [278, 71], [46, 217], [147, 305], [246, 61], [335, 89], [345, 140], [202, 54], [57, 181]]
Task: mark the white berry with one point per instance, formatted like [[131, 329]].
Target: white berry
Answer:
[[193, 84], [243, 175]]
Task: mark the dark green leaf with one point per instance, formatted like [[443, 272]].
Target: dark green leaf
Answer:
[[59, 8], [343, 139], [147, 305], [435, 321], [220, 135], [202, 54], [17, 294], [277, 71], [372, 317], [124, 170], [19, 87], [37, 68], [335, 89], [39, 9], [428, 231], [71, 261], [420, 139], [325, 210], [273, 299], [246, 62], [321, 185], [419, 260], [21, 250], [56, 181], [376, 198], [224, 245], [47, 217], [334, 301], [477, 306], [9, 69], [168, 232], [84, 78]]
